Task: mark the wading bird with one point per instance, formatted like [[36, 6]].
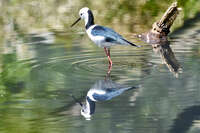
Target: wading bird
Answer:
[[100, 35]]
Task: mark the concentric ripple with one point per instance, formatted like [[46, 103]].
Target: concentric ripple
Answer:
[[88, 64]]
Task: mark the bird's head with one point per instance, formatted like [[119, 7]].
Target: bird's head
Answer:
[[88, 109], [85, 112], [85, 13]]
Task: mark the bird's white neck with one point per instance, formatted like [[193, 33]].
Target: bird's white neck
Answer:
[[90, 105], [86, 19]]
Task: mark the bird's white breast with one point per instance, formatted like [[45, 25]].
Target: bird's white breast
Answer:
[[98, 40]]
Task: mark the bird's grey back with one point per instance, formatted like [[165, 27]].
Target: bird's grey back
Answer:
[[110, 88], [109, 34]]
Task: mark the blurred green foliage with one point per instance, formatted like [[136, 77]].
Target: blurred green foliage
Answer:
[[33, 15], [13, 76]]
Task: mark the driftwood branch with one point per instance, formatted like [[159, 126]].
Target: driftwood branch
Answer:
[[157, 37], [161, 28]]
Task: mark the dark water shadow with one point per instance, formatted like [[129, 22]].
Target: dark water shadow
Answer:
[[184, 120], [186, 25]]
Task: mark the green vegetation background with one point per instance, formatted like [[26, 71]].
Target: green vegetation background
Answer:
[[136, 15]]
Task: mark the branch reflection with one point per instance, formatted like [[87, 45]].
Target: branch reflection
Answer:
[[167, 56]]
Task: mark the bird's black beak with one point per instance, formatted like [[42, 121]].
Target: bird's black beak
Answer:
[[80, 104], [76, 100], [76, 22]]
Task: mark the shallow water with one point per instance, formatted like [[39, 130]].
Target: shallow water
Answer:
[[40, 72]]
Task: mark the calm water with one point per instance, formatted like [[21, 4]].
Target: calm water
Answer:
[[39, 72]]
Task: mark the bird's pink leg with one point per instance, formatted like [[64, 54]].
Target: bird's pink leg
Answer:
[[107, 51], [110, 61]]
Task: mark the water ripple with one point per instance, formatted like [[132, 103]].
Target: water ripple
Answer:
[[87, 64]]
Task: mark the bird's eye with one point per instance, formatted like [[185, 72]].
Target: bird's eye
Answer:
[[81, 14], [82, 110]]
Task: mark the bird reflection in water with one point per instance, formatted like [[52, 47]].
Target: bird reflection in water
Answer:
[[102, 90], [167, 57]]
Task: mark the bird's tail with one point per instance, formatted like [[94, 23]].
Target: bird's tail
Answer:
[[133, 87], [131, 43]]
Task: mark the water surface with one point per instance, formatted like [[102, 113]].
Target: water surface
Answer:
[[39, 72]]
